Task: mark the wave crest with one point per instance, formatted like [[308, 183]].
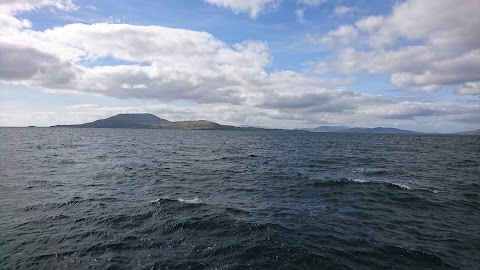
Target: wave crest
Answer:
[[349, 181]]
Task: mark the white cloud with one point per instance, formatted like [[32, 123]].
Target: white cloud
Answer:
[[311, 2], [470, 88], [319, 67], [410, 110], [186, 65], [10, 8], [370, 23], [250, 7], [342, 10], [15, 6], [135, 86], [8, 21], [300, 13], [343, 35], [445, 50], [434, 22]]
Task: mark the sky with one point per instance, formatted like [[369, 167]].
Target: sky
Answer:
[[410, 64]]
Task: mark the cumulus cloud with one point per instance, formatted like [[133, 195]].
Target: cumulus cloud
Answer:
[[445, 50], [172, 64], [440, 23], [169, 64], [250, 7]]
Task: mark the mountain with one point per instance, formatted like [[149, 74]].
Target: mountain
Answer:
[[141, 120], [346, 129], [146, 120]]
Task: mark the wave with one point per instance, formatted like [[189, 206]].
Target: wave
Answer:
[[347, 181], [160, 200], [195, 200], [75, 201]]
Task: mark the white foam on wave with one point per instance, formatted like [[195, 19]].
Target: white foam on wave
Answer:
[[402, 186], [389, 183], [155, 201], [195, 200], [358, 180], [370, 170]]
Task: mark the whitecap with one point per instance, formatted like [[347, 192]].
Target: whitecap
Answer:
[[402, 186], [195, 200], [359, 181], [370, 170]]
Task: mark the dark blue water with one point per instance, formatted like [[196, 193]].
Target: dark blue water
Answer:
[[173, 199]]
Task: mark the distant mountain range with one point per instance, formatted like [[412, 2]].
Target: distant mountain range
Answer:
[[346, 129], [146, 120]]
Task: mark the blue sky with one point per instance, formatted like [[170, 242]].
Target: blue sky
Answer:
[[286, 64]]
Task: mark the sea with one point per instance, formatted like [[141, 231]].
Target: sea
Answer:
[[73, 198]]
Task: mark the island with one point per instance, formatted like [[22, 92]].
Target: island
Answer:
[[147, 120]]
